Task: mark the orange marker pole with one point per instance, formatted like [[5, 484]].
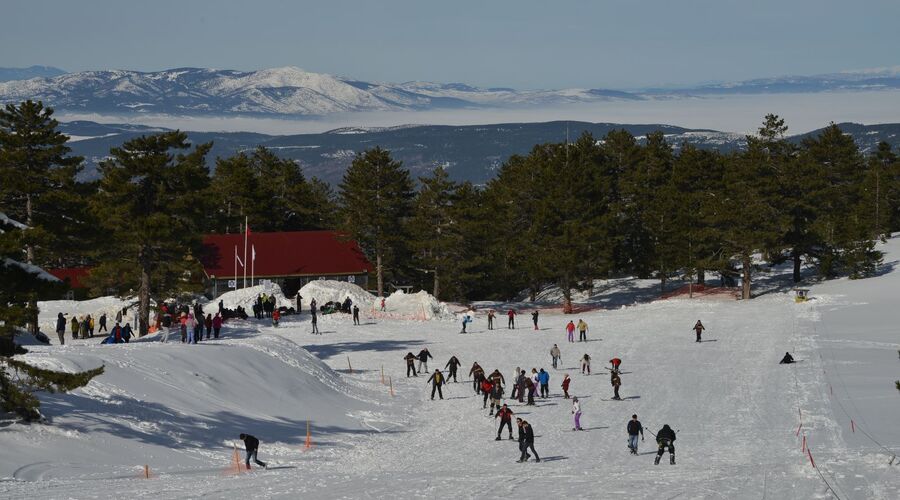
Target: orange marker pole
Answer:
[[146, 472], [391, 383], [803, 449], [382, 374], [308, 437]]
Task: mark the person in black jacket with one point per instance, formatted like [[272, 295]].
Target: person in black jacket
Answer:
[[437, 380], [526, 441], [634, 428], [787, 359], [61, 328], [665, 438], [102, 324], [534, 318], [355, 314], [423, 359], [251, 444], [410, 364], [453, 364]]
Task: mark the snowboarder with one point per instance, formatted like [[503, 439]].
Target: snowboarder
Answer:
[[634, 428], [410, 364], [786, 360], [217, 325], [556, 355], [565, 386], [699, 329], [453, 365], [615, 363], [526, 441], [544, 380], [570, 331], [251, 445], [102, 322], [505, 416], [437, 380], [576, 410], [423, 359], [582, 331], [477, 374], [490, 319], [586, 364], [61, 328], [511, 323], [665, 438], [534, 318], [616, 382], [355, 314], [496, 396]]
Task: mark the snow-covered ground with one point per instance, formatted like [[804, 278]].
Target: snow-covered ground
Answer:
[[178, 408]]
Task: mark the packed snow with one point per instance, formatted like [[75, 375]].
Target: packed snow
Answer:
[[246, 297], [741, 417], [323, 291]]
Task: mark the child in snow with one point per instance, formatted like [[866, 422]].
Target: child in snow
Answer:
[[576, 410], [565, 385], [699, 329], [276, 315]]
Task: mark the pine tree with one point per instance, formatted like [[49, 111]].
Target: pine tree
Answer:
[[435, 239], [151, 203], [376, 196]]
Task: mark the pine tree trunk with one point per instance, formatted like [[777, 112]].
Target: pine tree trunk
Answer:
[[662, 282], [745, 277], [144, 295], [701, 277], [796, 266], [29, 221], [437, 284], [378, 274]]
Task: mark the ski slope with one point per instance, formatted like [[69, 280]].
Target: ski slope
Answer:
[[178, 408]]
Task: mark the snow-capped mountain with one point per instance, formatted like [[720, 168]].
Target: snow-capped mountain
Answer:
[[278, 91], [857, 80], [10, 74]]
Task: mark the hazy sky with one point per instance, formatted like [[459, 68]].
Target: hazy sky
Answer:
[[515, 43]]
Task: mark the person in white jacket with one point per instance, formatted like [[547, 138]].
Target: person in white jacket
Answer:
[[576, 410]]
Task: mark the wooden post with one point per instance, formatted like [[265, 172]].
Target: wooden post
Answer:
[[382, 374], [349, 366], [391, 383], [146, 472]]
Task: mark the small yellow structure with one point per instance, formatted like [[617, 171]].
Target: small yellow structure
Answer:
[[801, 295]]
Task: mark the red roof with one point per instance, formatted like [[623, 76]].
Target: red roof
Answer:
[[74, 275], [297, 253]]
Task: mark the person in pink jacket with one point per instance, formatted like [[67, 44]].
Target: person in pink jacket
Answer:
[[217, 325], [570, 330]]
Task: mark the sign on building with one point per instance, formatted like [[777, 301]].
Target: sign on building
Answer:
[[232, 283]]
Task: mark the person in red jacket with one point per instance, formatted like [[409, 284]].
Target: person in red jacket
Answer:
[[217, 325], [505, 416], [511, 324], [276, 315], [565, 385], [615, 363], [208, 322], [486, 387]]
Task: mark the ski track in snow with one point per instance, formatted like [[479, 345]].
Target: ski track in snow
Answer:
[[735, 409]]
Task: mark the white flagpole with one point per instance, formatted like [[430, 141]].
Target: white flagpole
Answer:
[[252, 263], [246, 230], [235, 267]]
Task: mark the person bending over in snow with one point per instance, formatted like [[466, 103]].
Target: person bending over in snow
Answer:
[[410, 364], [453, 365], [615, 363], [505, 416], [586, 364], [526, 441], [423, 359], [437, 380], [787, 359], [634, 428], [251, 444], [576, 410], [665, 438], [497, 378], [486, 387], [699, 329]]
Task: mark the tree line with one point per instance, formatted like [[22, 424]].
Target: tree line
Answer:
[[564, 214]]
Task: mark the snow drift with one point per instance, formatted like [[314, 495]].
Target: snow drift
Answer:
[[246, 297], [335, 291]]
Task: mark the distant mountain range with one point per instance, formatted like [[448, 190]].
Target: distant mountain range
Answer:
[[470, 153], [292, 92], [11, 74]]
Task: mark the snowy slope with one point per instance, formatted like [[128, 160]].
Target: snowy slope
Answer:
[[737, 411]]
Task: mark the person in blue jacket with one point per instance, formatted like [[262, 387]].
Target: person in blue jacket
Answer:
[[544, 380]]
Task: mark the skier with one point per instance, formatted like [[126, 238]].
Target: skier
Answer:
[[437, 380], [534, 318], [102, 324], [576, 410], [582, 331], [496, 396], [486, 387], [276, 315], [586, 364], [314, 318], [355, 314], [453, 365], [699, 329], [634, 428], [497, 378], [615, 363], [544, 380], [61, 328], [505, 416], [251, 444], [477, 374], [423, 359], [511, 323], [556, 355], [565, 385], [217, 325], [526, 441], [465, 321], [665, 438], [616, 382], [490, 319], [570, 331], [410, 364]]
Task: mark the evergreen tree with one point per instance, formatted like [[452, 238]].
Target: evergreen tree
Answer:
[[376, 197], [152, 203], [435, 238]]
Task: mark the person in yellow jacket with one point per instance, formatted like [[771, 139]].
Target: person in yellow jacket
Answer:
[[437, 380], [582, 331]]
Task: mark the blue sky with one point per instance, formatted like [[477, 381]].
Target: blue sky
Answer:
[[522, 44]]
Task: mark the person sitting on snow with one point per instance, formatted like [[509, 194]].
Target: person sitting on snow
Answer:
[[787, 359]]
